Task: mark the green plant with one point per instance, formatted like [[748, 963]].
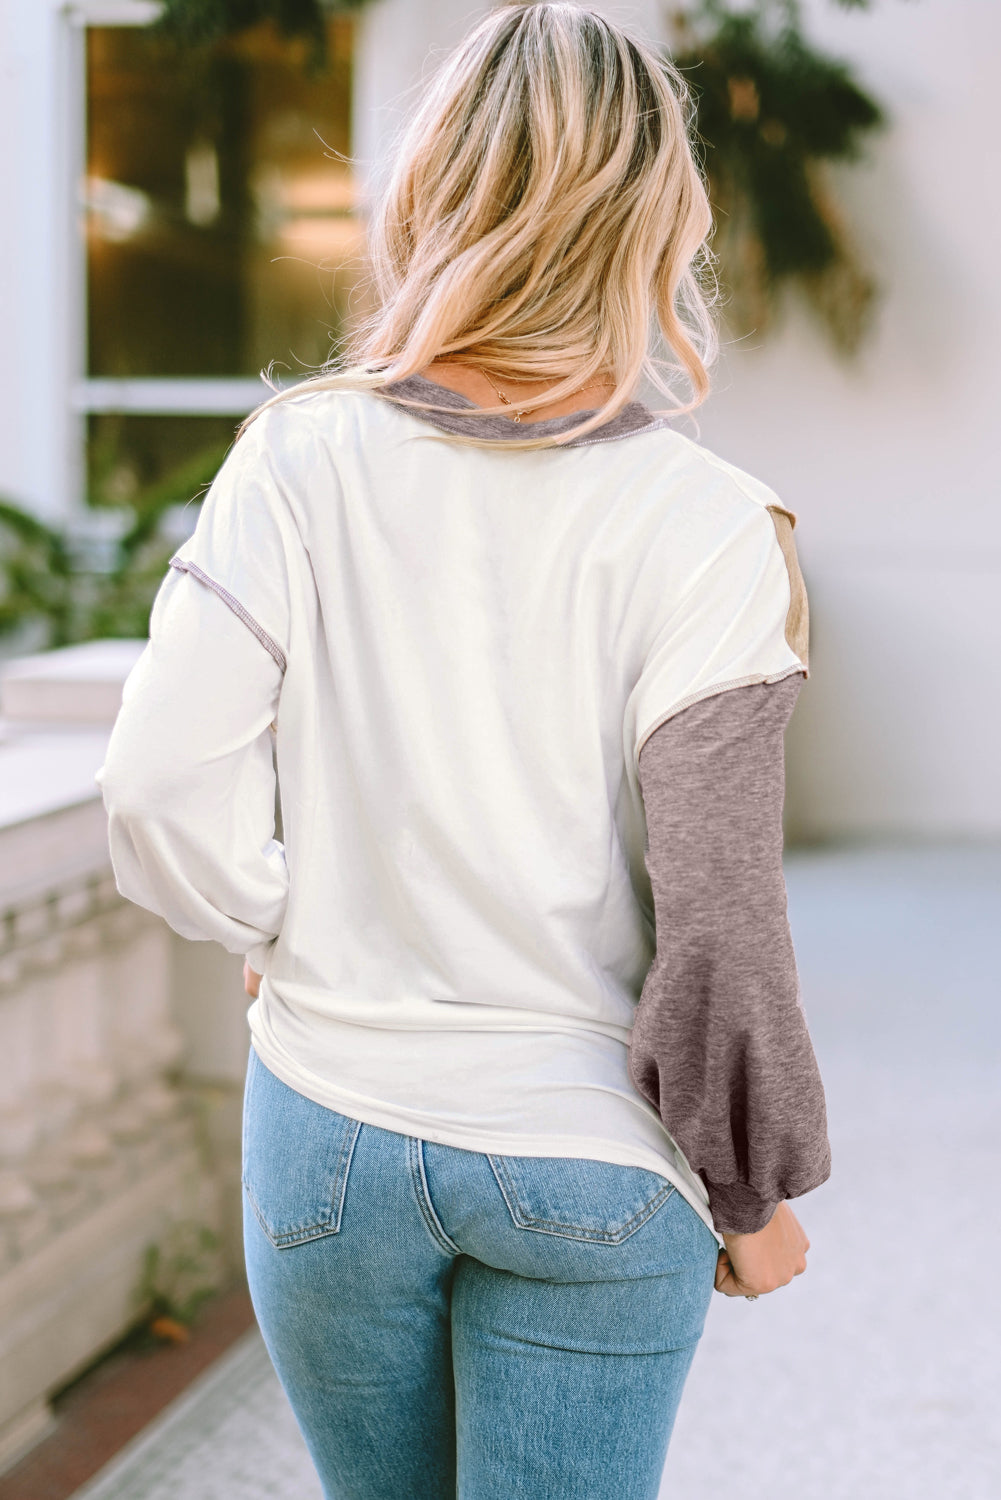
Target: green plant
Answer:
[[49, 579], [202, 22], [97, 576], [180, 1272], [36, 575], [773, 112]]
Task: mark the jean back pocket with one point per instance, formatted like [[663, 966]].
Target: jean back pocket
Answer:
[[296, 1156], [579, 1199]]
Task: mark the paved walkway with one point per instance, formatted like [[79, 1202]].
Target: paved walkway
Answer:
[[877, 1376]]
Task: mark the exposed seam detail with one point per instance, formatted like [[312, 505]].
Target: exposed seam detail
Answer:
[[415, 1150], [268, 642], [755, 679], [660, 425], [343, 1167], [735, 475], [524, 1220]]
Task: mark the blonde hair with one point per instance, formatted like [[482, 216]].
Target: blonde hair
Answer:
[[544, 206]]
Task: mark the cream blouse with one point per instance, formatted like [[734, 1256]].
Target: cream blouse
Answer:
[[459, 653]]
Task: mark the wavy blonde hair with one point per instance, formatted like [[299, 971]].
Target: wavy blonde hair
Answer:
[[544, 206]]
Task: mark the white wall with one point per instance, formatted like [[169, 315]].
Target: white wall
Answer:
[[39, 329], [396, 45], [400, 42], [890, 462]]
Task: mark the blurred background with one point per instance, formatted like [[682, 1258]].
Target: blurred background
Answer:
[[183, 191]]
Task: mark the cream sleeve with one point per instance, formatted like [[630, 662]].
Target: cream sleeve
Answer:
[[189, 780], [741, 620]]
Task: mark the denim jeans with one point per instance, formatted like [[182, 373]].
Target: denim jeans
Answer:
[[449, 1323]]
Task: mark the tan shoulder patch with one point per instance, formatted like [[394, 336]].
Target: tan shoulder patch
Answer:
[[798, 619]]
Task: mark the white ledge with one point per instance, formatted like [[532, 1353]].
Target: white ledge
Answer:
[[59, 708], [44, 771], [73, 685]]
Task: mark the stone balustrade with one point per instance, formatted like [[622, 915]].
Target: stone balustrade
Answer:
[[121, 1051]]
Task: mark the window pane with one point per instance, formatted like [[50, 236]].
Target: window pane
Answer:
[[150, 463], [221, 232]]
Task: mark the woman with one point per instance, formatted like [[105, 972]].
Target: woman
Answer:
[[529, 1071]]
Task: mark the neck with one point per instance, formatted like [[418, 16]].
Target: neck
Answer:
[[469, 381]]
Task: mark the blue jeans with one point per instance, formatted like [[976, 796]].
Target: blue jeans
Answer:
[[447, 1323]]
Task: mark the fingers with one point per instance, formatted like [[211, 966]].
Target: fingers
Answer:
[[731, 1287], [726, 1279], [752, 1265]]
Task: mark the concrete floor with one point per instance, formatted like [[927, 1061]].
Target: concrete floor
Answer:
[[877, 1375]]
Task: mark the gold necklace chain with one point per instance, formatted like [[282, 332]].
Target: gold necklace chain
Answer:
[[519, 414]]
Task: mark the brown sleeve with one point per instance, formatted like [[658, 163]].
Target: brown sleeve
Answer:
[[720, 1044]]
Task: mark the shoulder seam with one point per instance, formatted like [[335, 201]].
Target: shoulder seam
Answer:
[[753, 679], [267, 641], [713, 461], [797, 625]]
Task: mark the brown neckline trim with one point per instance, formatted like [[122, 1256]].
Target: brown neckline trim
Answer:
[[636, 417]]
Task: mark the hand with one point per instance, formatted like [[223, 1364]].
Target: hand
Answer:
[[753, 1264], [251, 982]]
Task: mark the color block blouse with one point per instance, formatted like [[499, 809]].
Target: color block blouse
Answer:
[[526, 712]]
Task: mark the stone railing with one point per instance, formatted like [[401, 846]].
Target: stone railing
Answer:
[[122, 1047]]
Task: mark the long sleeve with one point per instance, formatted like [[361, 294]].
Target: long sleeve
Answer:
[[720, 1044], [188, 779]]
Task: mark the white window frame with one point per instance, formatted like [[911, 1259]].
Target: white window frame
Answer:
[[151, 396], [45, 392]]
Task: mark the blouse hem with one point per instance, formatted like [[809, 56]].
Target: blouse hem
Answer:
[[401, 1122]]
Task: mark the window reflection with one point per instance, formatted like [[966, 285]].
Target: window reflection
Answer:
[[220, 223], [150, 463]]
